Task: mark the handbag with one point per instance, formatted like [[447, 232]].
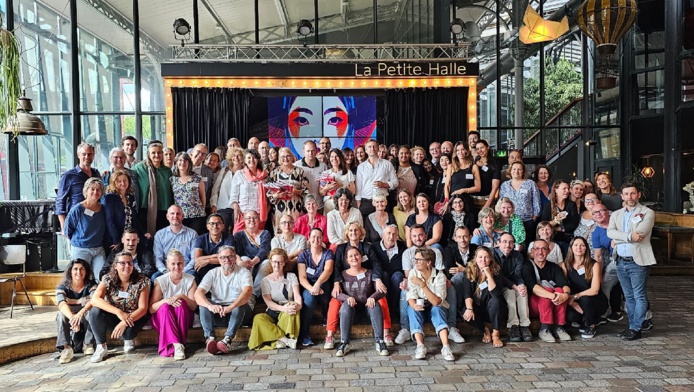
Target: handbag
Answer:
[[441, 208]]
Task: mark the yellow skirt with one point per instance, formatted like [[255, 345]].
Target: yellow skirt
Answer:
[[265, 332]]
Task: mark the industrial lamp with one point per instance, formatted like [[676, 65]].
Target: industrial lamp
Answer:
[[457, 27], [25, 123], [181, 27], [536, 29], [304, 27]]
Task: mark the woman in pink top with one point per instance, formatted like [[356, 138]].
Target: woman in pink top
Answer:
[[311, 219]]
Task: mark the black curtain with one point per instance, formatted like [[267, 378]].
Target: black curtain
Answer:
[[421, 116], [210, 116]]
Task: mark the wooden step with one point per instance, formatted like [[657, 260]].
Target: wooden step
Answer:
[[37, 297]]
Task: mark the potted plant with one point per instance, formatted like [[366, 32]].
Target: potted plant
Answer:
[[10, 80]]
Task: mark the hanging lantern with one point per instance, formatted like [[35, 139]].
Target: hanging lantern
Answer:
[[606, 22], [536, 29], [648, 172]]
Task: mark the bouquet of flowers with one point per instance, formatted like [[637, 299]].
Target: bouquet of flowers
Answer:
[[326, 178]]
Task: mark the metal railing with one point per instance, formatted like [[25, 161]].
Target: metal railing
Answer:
[[558, 132], [318, 53]]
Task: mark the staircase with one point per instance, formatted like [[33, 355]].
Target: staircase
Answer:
[[40, 286], [552, 142]]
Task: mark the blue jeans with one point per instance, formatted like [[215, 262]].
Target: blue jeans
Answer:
[[452, 311], [437, 246], [437, 315], [231, 320], [94, 256], [310, 302], [634, 279]]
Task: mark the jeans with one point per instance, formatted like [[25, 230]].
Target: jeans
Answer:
[[77, 340], [101, 321], [231, 320], [452, 311], [458, 283], [310, 302], [437, 246], [634, 279], [347, 319], [437, 314], [610, 280], [94, 256]]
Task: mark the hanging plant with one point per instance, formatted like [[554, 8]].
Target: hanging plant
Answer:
[[10, 80]]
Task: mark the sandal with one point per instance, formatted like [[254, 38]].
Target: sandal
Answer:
[[487, 337], [496, 340]]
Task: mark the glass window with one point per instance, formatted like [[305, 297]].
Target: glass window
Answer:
[[651, 92], [105, 132], [608, 143]]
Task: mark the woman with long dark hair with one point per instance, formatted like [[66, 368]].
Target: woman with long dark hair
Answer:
[[462, 177], [424, 215], [561, 213], [350, 160], [73, 297], [342, 176], [248, 191], [490, 175]]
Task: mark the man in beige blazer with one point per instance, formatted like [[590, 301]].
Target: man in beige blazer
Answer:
[[630, 227]]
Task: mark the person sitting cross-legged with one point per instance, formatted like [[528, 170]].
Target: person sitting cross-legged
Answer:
[[230, 288], [172, 306], [278, 327]]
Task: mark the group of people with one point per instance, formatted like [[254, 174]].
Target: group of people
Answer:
[[191, 239]]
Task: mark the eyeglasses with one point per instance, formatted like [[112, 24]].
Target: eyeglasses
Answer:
[[416, 260], [118, 157], [591, 200], [226, 257], [215, 223], [251, 218], [286, 223], [541, 249], [198, 152], [124, 263], [599, 212]]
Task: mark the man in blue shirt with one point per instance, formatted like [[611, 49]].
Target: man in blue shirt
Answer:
[[602, 253], [205, 248], [71, 183], [174, 236]]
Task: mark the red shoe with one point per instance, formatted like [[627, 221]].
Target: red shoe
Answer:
[[211, 345], [224, 346]]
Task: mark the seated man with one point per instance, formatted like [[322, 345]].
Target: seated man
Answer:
[[253, 246], [389, 252], [514, 290], [455, 258], [175, 236], [143, 259], [418, 236], [205, 248], [230, 287]]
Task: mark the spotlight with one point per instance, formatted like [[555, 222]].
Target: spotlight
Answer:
[[181, 27], [304, 27], [457, 26]]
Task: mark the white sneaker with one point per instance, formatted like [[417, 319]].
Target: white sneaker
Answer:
[[88, 350], [196, 321], [280, 344], [66, 355], [447, 353], [403, 336], [179, 351], [128, 346], [561, 333], [547, 336], [420, 352], [100, 354], [288, 342], [455, 335]]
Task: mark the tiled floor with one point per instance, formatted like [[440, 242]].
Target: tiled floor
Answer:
[[663, 360]]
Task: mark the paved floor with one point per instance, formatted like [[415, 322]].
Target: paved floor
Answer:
[[662, 361]]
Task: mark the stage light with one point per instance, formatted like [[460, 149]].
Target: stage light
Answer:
[[457, 26], [304, 27], [181, 27]]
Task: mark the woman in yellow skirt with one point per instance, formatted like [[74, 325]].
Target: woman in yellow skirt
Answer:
[[278, 327]]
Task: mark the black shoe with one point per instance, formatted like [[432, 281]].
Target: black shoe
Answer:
[[602, 321], [632, 335], [514, 334], [647, 325], [526, 334], [582, 329], [615, 317], [621, 334], [588, 332]]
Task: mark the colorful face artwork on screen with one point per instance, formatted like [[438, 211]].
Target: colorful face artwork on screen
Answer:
[[347, 121]]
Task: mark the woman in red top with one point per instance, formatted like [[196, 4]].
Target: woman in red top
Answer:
[[311, 219]]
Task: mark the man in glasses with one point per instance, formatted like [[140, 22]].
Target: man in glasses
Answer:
[[198, 156], [602, 253], [230, 288], [205, 248], [118, 158], [143, 259]]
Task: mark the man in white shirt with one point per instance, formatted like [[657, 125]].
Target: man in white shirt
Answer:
[[374, 176], [418, 236], [129, 145], [312, 169], [174, 236], [230, 288]]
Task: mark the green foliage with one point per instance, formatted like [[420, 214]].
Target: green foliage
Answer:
[[10, 78], [129, 127]]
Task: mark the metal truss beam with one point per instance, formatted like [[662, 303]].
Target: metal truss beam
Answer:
[[284, 16], [318, 53], [126, 24], [218, 20]]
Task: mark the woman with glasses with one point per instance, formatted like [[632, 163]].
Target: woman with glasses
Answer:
[[287, 201], [587, 224], [120, 303], [248, 191], [172, 305], [289, 241], [73, 295], [342, 178], [189, 193], [279, 326]]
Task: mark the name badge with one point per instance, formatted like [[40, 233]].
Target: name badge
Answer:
[[485, 168], [204, 179], [522, 191], [361, 276], [483, 285], [431, 182], [635, 219], [123, 294], [469, 176], [364, 259], [310, 271], [581, 271], [487, 244], [88, 212]]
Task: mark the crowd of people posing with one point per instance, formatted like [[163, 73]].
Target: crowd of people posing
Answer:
[[196, 238]]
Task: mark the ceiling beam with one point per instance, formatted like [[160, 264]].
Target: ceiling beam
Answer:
[[344, 11], [284, 16], [218, 20]]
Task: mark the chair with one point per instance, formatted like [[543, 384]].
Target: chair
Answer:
[[15, 255]]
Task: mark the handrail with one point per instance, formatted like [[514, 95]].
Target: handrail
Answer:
[[549, 124]]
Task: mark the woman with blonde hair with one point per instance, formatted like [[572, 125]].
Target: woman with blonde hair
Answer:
[[120, 207], [220, 199], [508, 221], [278, 327], [403, 209], [378, 220], [484, 298], [287, 202]]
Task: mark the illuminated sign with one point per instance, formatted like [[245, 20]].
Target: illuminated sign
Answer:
[[416, 69]]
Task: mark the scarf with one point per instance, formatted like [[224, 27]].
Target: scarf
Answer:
[[151, 198], [259, 179], [458, 218]]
